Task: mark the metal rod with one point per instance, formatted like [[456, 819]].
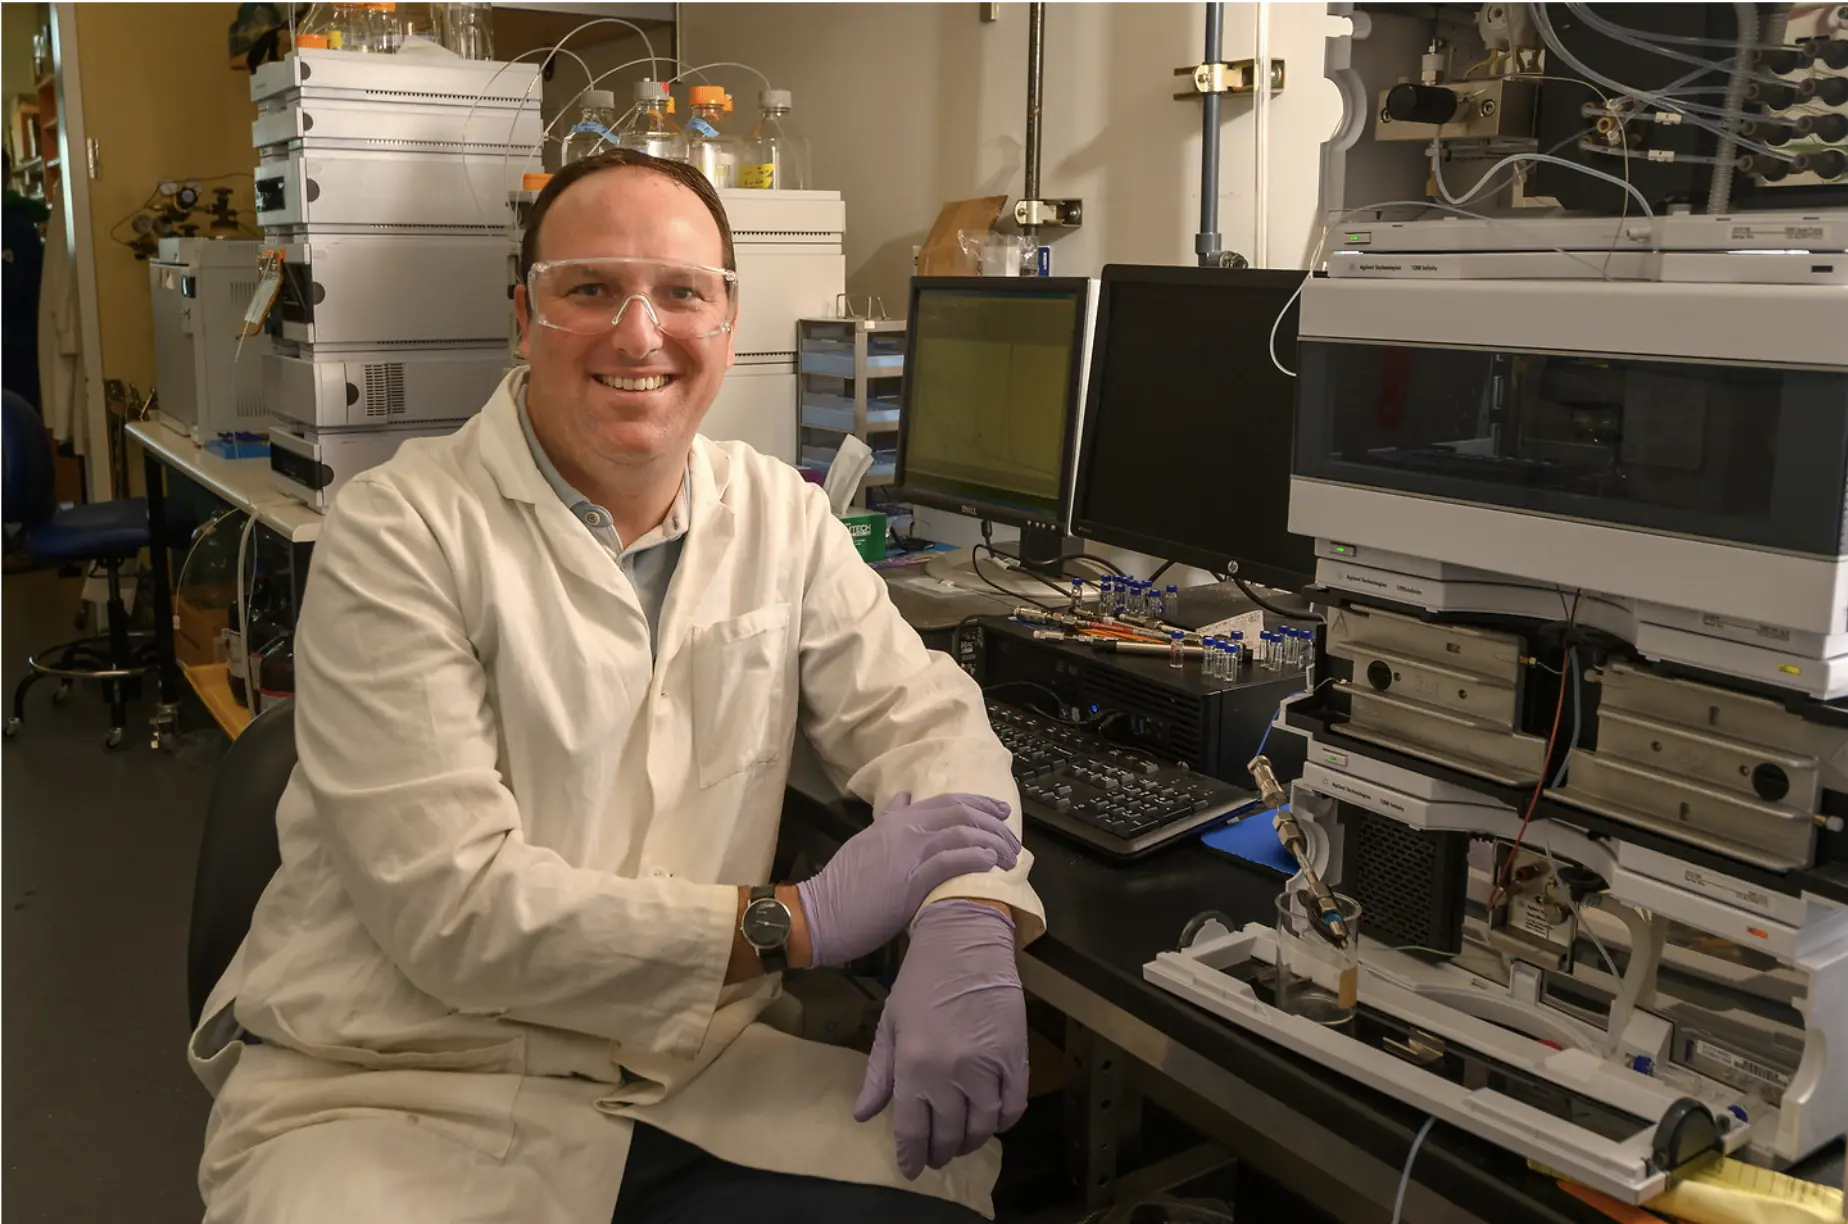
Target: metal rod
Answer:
[[1206, 242], [1036, 67]]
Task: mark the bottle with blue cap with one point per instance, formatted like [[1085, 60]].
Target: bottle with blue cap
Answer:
[[1177, 656], [1171, 600]]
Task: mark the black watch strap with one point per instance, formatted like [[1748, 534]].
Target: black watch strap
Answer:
[[776, 959]]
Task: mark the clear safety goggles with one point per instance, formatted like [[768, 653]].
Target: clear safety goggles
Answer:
[[588, 297]]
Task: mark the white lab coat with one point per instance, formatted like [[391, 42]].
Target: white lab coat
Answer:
[[511, 845]]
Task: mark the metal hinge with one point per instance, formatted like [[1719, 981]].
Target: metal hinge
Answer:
[[1237, 77], [93, 156], [1050, 214]]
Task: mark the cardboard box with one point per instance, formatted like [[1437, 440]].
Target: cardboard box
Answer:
[[199, 614]]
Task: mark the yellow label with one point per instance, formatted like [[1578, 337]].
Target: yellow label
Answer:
[[1790, 669], [760, 176]]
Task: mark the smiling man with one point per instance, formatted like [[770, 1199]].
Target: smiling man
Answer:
[[550, 671]]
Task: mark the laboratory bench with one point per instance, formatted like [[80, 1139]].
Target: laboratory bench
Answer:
[[246, 485], [1338, 1145]]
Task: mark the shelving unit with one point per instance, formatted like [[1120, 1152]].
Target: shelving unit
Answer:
[[848, 380]]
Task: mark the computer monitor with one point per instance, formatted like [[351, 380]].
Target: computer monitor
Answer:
[[1188, 428], [995, 372]]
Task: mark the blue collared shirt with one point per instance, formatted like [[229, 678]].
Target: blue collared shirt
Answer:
[[649, 563]]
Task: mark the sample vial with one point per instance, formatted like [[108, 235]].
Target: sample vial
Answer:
[[1077, 593], [1177, 656], [1209, 658], [1171, 600]]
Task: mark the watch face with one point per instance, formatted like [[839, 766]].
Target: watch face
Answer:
[[766, 923]]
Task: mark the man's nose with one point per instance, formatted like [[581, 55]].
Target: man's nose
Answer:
[[637, 332]]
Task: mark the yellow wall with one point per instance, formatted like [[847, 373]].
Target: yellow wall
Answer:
[[162, 101], [18, 23]]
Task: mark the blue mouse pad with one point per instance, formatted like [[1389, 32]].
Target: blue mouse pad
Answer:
[[1252, 839]]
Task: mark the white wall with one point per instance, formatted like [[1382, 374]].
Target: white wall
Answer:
[[911, 105], [907, 106]]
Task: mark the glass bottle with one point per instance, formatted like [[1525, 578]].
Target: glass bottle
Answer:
[[776, 156], [594, 130], [468, 30], [316, 31], [710, 148], [650, 126]]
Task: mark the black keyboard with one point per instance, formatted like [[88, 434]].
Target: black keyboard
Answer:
[[1112, 799]]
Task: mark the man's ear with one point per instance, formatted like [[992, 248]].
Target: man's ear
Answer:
[[522, 312]]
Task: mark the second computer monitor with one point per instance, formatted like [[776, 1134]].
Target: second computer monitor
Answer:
[[1188, 430], [994, 386]]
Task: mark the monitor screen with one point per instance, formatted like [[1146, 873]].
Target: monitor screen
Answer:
[[1187, 435], [994, 373]]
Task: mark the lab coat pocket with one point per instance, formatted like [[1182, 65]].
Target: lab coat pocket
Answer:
[[740, 689]]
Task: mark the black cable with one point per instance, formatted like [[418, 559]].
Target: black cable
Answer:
[[1059, 702], [1272, 608], [1161, 569], [975, 563]]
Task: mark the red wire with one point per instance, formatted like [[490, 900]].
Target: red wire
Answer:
[[1546, 758]]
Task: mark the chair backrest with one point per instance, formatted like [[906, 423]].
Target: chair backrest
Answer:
[[238, 853], [26, 451]]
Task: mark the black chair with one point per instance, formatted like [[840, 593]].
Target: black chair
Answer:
[[238, 853], [109, 533]]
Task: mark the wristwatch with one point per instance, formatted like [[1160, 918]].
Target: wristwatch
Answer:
[[765, 926]]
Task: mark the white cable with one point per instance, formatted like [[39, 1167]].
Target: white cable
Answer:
[[701, 69], [243, 599], [1405, 1178]]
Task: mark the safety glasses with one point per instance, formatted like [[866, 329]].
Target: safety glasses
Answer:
[[588, 297]]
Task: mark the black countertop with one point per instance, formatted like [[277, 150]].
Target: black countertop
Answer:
[[1106, 919]]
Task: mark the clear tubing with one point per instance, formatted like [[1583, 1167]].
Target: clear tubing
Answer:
[[1585, 146], [1719, 193], [1605, 25], [1555, 47], [1742, 46], [1437, 173]]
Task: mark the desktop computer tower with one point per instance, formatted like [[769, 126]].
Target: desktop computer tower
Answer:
[[1140, 701]]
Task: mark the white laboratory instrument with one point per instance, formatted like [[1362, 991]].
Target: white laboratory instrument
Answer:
[[382, 181], [1577, 475], [198, 289]]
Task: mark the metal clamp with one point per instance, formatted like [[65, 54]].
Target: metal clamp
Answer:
[[1049, 214], [1238, 77]]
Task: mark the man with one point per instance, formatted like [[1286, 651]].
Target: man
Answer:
[[550, 671]]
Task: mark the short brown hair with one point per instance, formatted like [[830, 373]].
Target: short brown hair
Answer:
[[618, 159]]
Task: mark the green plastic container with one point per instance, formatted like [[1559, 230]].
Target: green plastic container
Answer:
[[868, 529]]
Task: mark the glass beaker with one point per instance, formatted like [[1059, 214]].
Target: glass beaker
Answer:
[[1315, 979]]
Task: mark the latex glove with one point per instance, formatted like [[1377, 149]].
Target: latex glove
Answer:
[[875, 883], [951, 1052]]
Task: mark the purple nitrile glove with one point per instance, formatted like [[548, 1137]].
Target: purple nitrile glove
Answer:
[[951, 1051], [875, 882]]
